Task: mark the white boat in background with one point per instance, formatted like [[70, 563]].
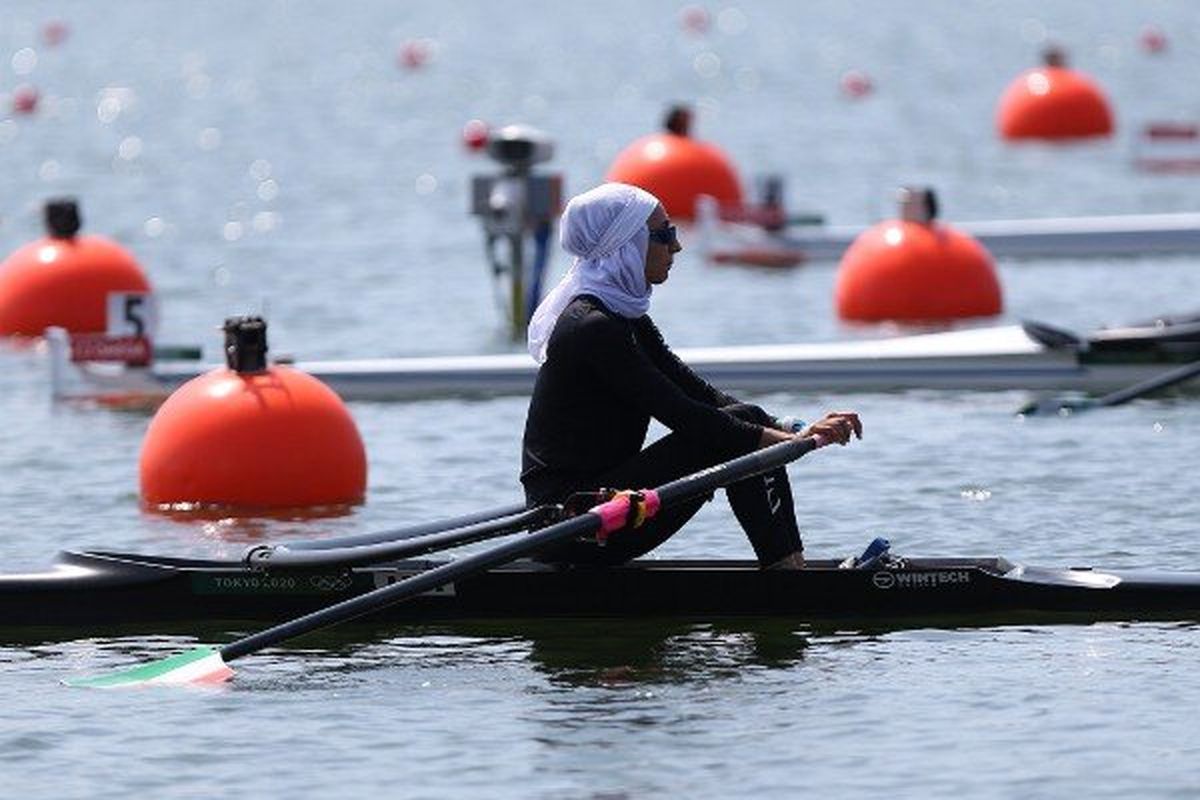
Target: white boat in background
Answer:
[[1033, 356], [773, 240]]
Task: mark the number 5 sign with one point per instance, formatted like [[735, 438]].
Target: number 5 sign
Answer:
[[132, 314]]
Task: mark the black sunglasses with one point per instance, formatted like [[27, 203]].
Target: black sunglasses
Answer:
[[664, 235]]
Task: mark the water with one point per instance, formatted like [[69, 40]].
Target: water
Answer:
[[274, 158]]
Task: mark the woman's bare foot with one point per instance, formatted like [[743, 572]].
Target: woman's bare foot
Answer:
[[791, 561]]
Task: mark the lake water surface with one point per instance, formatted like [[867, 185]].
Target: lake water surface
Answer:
[[274, 158]]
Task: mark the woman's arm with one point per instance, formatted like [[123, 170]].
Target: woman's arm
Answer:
[[655, 347], [621, 363]]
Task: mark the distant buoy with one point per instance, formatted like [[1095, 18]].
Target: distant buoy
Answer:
[[475, 135], [1053, 102], [55, 32], [25, 100], [677, 170], [64, 279], [252, 436], [914, 269], [695, 19], [856, 84], [414, 54], [1153, 40]]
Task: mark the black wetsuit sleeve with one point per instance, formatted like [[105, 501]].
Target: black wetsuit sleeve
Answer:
[[656, 349], [619, 362]]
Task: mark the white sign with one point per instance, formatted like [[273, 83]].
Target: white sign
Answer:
[[132, 314]]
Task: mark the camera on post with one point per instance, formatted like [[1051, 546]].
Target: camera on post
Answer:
[[514, 206], [518, 199], [520, 147]]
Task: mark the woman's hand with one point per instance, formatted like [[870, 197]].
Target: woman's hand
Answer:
[[836, 426]]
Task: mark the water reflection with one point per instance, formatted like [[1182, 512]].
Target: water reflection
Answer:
[[621, 652], [608, 653]]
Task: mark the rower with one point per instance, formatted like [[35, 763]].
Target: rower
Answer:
[[606, 371]]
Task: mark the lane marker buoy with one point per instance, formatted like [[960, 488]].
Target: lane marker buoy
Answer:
[[1054, 103], [252, 436], [915, 269]]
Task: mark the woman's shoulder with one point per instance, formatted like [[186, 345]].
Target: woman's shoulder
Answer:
[[588, 311], [585, 319]]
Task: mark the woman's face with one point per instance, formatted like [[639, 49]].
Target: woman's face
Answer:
[[660, 254]]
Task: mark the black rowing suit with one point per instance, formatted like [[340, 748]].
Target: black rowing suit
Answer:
[[604, 377]]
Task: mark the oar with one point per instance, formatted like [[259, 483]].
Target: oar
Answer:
[[1072, 405], [1052, 336], [412, 531], [209, 664], [285, 556]]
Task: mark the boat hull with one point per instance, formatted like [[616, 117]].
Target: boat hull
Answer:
[[1065, 237], [86, 590], [993, 358]]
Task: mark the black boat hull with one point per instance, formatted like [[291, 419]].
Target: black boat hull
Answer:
[[91, 590]]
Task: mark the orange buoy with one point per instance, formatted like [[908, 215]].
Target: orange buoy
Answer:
[[1053, 102], [251, 436], [64, 279], [678, 169], [914, 269]]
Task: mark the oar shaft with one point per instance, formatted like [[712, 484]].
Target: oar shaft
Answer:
[[1170, 378], [423, 582], [412, 531], [280, 557], [738, 469], [669, 494]]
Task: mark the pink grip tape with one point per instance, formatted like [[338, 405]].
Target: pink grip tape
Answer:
[[615, 513], [612, 514]]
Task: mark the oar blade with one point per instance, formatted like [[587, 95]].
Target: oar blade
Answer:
[[1056, 407], [197, 667]]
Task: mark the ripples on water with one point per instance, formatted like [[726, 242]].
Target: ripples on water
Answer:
[[272, 158]]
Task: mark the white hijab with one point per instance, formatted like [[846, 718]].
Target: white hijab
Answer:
[[605, 229]]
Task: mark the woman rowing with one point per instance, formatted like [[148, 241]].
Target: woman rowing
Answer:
[[606, 370]]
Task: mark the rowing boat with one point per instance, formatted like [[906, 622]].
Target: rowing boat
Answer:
[[1033, 356], [88, 589], [1062, 237]]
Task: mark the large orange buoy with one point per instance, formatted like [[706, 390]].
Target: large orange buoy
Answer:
[[678, 169], [914, 269], [251, 436], [64, 279], [1053, 102]]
